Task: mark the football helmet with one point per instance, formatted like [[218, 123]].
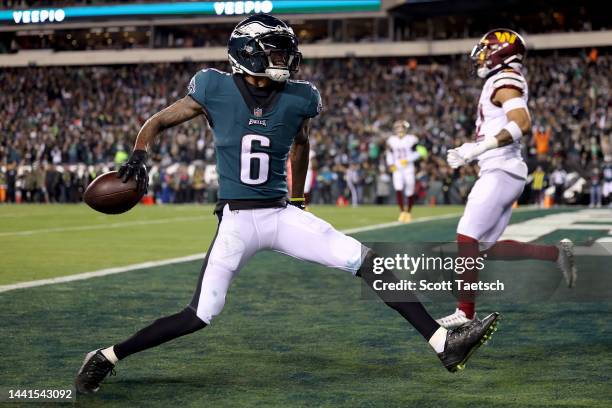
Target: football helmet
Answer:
[[498, 49], [400, 127], [264, 46]]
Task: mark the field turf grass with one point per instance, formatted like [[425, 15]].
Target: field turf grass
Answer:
[[292, 334], [56, 240]]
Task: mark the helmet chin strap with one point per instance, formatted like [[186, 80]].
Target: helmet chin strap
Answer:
[[278, 74]]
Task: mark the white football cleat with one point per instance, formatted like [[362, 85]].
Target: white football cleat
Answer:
[[455, 320], [565, 261]]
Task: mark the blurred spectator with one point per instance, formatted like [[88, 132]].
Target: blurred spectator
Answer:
[[538, 182], [558, 179], [596, 196], [542, 140]]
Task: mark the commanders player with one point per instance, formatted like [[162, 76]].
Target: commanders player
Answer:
[[260, 118], [503, 118], [400, 156]]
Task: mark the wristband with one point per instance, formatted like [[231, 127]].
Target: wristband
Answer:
[[139, 155], [490, 143], [487, 144], [514, 130], [298, 202]]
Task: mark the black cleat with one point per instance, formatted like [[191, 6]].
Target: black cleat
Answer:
[[463, 341], [95, 368]]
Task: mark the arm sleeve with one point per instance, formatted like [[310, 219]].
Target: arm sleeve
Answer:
[[315, 104], [199, 86]]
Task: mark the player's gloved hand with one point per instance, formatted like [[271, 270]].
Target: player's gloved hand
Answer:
[[404, 162], [454, 158], [470, 151], [392, 168], [136, 168], [298, 202]]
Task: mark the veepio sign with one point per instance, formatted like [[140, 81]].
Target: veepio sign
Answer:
[[38, 16], [242, 7]]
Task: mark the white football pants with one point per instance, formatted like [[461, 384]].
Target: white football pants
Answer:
[[243, 233], [403, 180], [489, 206]]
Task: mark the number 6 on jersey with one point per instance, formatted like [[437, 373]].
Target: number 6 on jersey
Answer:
[[254, 166]]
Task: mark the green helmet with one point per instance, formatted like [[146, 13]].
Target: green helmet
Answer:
[[264, 46]]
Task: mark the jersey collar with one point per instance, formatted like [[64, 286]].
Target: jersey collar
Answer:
[[255, 108]]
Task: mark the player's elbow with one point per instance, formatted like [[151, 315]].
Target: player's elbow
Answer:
[[152, 123], [522, 119]]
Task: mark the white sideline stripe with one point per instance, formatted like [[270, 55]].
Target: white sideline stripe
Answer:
[[101, 272], [103, 226], [194, 257]]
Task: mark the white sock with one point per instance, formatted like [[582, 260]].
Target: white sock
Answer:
[[109, 353], [438, 340]]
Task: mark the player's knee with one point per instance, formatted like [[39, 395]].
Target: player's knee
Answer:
[[367, 263], [210, 308], [348, 253]]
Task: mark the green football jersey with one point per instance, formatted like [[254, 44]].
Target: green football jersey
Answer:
[[252, 142]]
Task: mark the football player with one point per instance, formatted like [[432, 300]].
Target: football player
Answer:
[[400, 156], [502, 120], [260, 118]]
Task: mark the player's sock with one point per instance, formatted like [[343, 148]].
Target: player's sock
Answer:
[[438, 340], [410, 202], [410, 308], [508, 250], [468, 248], [469, 308], [110, 355], [160, 331], [400, 200], [307, 199]]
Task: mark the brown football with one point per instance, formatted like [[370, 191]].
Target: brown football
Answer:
[[109, 195]]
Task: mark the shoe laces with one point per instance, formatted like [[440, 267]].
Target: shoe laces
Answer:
[[455, 317], [96, 371]]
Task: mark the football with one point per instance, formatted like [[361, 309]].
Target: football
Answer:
[[109, 195]]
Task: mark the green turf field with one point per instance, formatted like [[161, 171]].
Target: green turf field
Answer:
[[58, 240], [291, 335]]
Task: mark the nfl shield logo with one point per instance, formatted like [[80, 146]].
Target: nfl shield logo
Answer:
[[258, 112]]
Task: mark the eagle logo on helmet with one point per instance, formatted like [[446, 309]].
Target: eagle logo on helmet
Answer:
[[498, 49], [265, 46]]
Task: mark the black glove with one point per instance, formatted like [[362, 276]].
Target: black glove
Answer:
[[135, 167], [298, 202]]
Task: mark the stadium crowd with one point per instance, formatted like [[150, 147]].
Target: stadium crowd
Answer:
[[61, 126], [419, 21]]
